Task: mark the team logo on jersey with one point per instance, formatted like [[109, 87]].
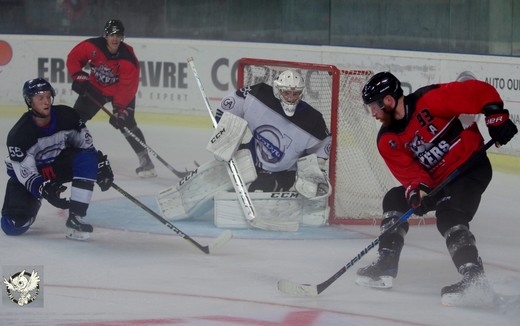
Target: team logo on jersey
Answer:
[[429, 154], [105, 75], [228, 103], [268, 144], [23, 287]]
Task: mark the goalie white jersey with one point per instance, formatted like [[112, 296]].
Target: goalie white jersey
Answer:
[[278, 141]]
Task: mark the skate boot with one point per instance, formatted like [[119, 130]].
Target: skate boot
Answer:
[[472, 290], [381, 273], [146, 168], [77, 229]]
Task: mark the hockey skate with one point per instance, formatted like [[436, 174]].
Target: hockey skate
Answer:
[[77, 229], [381, 273], [146, 168], [473, 290]]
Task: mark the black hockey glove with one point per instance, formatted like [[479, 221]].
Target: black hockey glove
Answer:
[[500, 127], [51, 190], [119, 118], [105, 176], [416, 197], [80, 82]]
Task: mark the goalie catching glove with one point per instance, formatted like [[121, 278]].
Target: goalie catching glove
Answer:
[[227, 137], [312, 181]]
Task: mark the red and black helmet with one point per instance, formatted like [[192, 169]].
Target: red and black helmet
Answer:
[[381, 84]]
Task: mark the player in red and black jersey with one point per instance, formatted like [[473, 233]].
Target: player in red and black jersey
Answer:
[[422, 141], [114, 77]]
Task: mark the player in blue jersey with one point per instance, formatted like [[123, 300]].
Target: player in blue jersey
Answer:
[[50, 146]]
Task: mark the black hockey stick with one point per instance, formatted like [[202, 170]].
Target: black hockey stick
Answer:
[[178, 173], [292, 288], [221, 239]]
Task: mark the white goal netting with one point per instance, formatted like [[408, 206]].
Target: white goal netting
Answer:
[[357, 172]]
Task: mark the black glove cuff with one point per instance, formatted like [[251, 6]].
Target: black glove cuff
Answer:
[[494, 108]]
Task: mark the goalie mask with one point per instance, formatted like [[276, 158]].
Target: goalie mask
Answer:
[[36, 86], [288, 88]]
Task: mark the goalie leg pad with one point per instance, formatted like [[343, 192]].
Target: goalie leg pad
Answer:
[[311, 181], [274, 208], [227, 137], [192, 191], [200, 186]]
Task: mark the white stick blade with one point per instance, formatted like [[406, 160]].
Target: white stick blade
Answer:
[[296, 289], [221, 240]]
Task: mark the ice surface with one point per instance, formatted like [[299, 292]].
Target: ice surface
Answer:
[[136, 271]]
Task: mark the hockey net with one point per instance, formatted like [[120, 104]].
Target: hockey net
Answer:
[[357, 173]]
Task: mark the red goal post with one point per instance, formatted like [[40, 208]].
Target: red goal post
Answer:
[[357, 173]]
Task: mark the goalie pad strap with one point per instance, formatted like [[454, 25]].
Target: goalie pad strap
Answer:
[[311, 181], [227, 137]]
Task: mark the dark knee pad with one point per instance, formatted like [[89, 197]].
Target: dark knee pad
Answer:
[[392, 238], [461, 245]]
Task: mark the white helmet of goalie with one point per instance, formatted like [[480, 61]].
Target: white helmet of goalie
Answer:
[[288, 88]]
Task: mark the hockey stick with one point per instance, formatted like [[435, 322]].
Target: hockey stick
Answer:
[[238, 183], [178, 173], [292, 288], [223, 238]]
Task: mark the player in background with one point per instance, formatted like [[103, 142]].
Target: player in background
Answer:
[[114, 77], [50, 146], [422, 141], [284, 129]]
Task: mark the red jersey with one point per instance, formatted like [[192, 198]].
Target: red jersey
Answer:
[[431, 142], [114, 75]]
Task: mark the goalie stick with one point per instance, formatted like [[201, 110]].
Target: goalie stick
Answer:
[[296, 289], [237, 181], [222, 239], [178, 173]]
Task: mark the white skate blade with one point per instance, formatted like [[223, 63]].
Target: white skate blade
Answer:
[[384, 282], [77, 235]]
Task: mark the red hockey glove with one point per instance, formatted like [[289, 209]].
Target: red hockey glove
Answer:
[[80, 82], [119, 118], [500, 127], [416, 198]]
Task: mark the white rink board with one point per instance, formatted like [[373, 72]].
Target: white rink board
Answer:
[[167, 86]]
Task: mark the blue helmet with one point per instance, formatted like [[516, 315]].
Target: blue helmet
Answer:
[[380, 85], [36, 86]]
